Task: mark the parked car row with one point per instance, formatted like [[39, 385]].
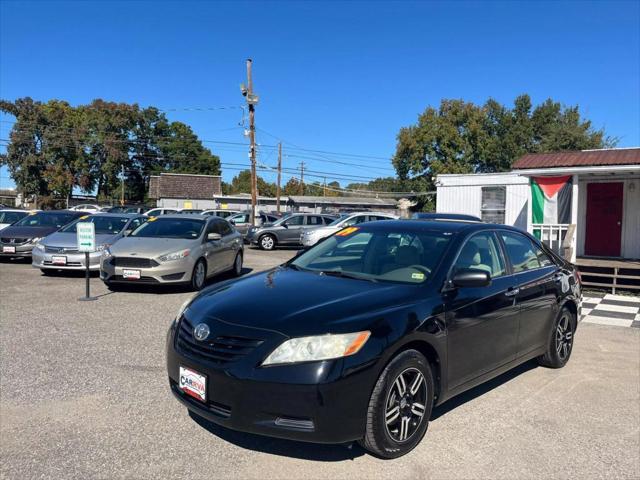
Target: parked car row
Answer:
[[130, 247]]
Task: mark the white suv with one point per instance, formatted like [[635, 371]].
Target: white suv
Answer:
[[310, 237]]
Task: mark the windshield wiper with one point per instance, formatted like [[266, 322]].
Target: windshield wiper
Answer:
[[343, 274]]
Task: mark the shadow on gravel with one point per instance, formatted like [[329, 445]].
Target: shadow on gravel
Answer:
[[480, 390], [285, 448]]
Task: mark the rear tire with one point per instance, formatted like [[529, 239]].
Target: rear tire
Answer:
[[267, 242], [237, 265], [396, 421], [561, 342], [199, 275]]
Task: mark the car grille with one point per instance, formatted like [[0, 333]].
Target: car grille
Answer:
[[14, 241], [48, 249], [133, 262], [221, 349]]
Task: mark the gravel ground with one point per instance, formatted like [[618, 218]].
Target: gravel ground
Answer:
[[83, 394]]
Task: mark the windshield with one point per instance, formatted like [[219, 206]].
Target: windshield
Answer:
[[390, 256], [46, 219], [11, 217], [104, 225], [170, 228]]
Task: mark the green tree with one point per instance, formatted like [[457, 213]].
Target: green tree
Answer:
[[461, 137]]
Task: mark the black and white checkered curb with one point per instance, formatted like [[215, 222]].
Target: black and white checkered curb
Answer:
[[617, 310]]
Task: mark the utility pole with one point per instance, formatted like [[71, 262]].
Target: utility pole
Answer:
[[279, 174], [302, 178], [252, 100], [324, 190], [122, 188]]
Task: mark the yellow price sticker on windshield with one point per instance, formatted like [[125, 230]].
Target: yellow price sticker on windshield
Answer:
[[417, 276], [347, 231], [152, 219], [84, 217]]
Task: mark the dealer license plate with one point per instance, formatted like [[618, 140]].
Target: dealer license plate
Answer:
[[8, 249], [58, 260], [193, 383], [131, 274]]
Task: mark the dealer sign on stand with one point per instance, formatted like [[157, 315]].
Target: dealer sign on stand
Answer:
[[86, 235]]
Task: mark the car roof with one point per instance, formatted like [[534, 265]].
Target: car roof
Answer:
[[183, 216], [16, 210], [435, 225], [445, 216], [116, 214]]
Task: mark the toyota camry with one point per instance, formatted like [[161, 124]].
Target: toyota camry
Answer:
[[358, 338]]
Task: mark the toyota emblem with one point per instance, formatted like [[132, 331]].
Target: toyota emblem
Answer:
[[201, 331]]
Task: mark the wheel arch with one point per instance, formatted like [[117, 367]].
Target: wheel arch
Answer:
[[270, 234], [572, 305], [430, 352]]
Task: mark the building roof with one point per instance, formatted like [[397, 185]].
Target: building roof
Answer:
[[342, 200], [182, 185], [584, 158]]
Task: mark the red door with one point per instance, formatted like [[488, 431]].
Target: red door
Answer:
[[604, 219]]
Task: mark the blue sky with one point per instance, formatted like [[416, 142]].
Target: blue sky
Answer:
[[335, 76]]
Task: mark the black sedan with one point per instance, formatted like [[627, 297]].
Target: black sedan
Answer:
[[360, 336], [19, 239]]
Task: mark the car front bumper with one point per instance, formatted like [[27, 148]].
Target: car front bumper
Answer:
[[23, 250], [74, 261], [312, 402], [175, 272]]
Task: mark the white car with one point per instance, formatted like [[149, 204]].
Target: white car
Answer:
[[86, 207], [10, 216], [154, 212], [310, 237]]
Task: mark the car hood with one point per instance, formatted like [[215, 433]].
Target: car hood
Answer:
[[296, 303], [27, 232], [150, 246], [69, 239]]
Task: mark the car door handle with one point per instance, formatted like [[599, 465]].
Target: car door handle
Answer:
[[512, 291]]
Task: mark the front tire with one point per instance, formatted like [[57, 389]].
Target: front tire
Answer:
[[561, 342], [199, 275], [267, 242], [400, 406]]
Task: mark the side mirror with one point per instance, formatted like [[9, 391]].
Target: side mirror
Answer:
[[471, 278], [232, 222], [213, 236]]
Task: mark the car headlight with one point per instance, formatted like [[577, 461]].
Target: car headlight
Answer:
[[102, 247], [106, 253], [39, 247], [35, 240], [169, 257], [320, 347]]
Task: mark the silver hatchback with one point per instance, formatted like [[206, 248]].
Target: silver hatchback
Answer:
[[174, 249]]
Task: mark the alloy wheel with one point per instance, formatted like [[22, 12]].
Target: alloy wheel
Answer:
[[564, 337], [405, 405], [267, 242], [199, 274]]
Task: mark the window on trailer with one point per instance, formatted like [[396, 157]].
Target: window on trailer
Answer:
[[493, 204]]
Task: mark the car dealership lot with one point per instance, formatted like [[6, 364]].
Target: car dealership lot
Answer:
[[84, 393]]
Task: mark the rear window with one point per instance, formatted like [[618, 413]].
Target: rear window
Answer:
[[170, 228]]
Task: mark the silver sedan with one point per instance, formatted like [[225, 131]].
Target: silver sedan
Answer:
[[174, 249], [59, 251]]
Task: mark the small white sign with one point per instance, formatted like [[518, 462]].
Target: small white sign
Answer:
[[86, 233]]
